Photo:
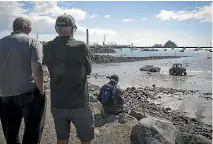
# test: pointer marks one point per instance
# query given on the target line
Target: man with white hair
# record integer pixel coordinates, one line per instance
(69, 64)
(21, 84)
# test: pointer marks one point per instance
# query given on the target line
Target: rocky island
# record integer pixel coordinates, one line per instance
(158, 46)
(170, 44)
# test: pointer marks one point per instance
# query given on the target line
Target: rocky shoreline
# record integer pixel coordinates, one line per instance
(101, 50)
(139, 100)
(99, 59)
(128, 128)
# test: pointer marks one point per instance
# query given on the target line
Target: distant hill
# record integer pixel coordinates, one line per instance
(170, 44)
(158, 45)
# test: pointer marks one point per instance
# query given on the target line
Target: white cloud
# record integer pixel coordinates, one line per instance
(141, 37)
(8, 12)
(93, 16)
(107, 16)
(39, 15)
(43, 17)
(96, 31)
(204, 14)
(44, 14)
(127, 20)
(144, 18)
(51, 7)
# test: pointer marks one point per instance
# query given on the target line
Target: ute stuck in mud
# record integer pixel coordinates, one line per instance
(150, 68)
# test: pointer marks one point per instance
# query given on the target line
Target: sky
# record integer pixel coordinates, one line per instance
(143, 23)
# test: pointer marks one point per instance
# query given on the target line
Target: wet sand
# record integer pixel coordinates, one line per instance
(130, 75)
(199, 78)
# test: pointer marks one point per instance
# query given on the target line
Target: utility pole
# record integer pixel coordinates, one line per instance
(37, 35)
(104, 40)
(87, 36)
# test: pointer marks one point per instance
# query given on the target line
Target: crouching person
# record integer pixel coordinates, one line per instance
(110, 96)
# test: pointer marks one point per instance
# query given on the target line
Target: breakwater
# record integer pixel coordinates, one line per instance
(98, 59)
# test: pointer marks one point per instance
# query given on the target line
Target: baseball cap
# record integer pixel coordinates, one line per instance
(65, 21)
(114, 77)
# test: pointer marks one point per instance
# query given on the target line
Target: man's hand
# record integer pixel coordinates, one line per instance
(42, 92)
(38, 76)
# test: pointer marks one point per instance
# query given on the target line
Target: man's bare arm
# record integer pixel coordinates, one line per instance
(38, 76)
(36, 65)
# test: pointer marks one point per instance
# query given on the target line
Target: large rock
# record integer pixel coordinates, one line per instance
(170, 44)
(153, 131)
(185, 138)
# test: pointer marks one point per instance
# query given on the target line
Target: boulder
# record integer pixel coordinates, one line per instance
(186, 138)
(153, 131)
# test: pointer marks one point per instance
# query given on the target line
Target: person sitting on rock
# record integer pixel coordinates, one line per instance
(110, 96)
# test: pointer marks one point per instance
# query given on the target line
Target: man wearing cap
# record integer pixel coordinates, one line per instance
(69, 64)
(21, 84)
(116, 104)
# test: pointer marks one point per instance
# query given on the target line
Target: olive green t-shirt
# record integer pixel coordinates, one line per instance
(68, 62)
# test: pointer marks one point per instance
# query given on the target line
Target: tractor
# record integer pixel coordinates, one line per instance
(177, 70)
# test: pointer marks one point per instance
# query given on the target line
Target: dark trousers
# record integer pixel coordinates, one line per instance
(114, 108)
(31, 106)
